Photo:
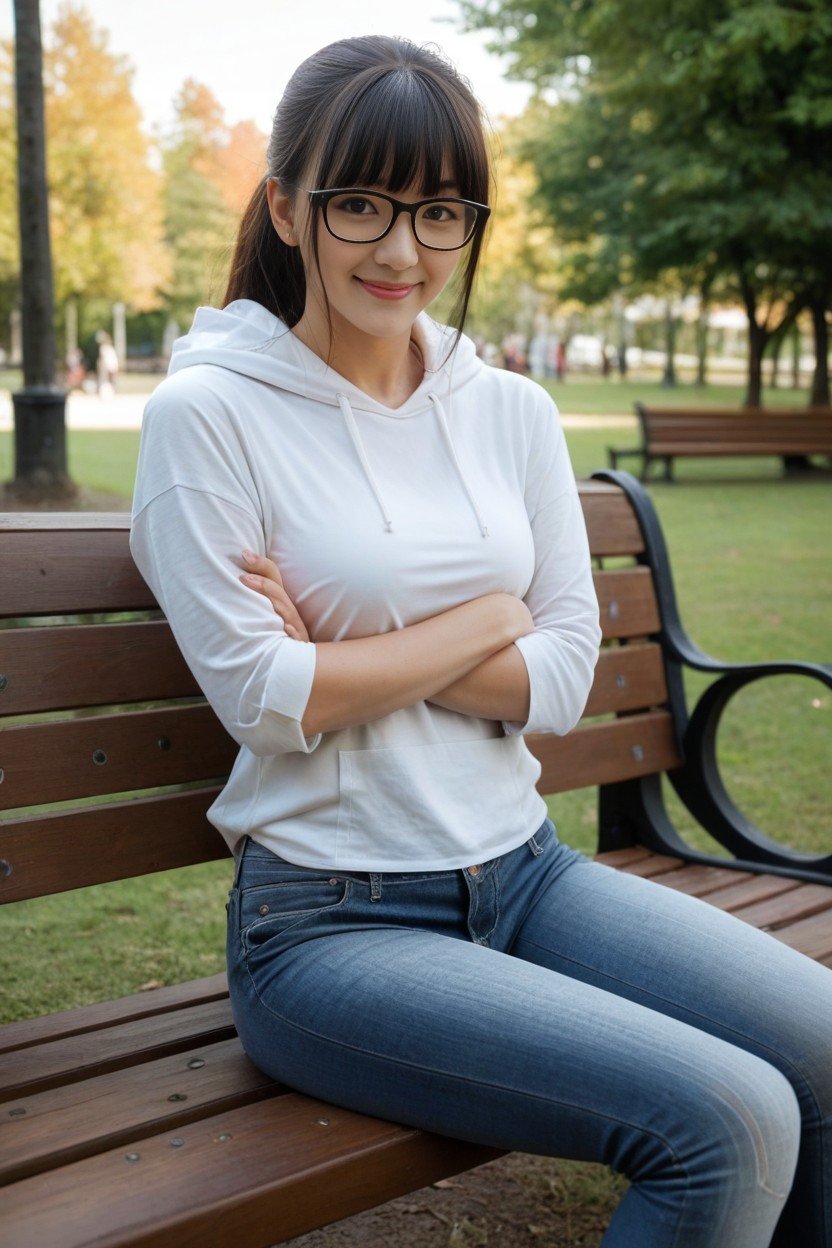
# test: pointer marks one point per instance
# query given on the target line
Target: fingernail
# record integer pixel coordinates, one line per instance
(249, 556)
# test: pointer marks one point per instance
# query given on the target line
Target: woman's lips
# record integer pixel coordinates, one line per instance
(384, 292)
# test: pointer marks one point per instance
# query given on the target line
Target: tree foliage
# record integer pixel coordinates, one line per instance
(104, 198)
(693, 134)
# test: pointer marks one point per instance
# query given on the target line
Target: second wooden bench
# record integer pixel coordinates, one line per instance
(669, 432)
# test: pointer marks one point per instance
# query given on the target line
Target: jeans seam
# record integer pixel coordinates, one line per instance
(476, 1083)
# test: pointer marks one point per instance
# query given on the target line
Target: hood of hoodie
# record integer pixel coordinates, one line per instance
(247, 338)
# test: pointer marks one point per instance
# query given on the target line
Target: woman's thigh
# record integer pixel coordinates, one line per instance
(387, 1006)
(681, 957)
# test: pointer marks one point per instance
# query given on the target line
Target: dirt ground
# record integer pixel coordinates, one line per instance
(85, 500)
(518, 1201)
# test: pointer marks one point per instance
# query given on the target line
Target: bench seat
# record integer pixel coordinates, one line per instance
(239, 1159)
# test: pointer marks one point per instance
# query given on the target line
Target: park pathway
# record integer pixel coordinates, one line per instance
(124, 411)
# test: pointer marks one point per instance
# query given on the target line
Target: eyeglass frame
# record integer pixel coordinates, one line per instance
(321, 197)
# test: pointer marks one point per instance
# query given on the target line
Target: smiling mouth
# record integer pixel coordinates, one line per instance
(388, 285)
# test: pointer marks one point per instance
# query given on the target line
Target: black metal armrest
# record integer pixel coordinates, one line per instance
(699, 783)
(697, 780)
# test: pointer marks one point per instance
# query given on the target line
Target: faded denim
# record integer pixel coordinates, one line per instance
(546, 1002)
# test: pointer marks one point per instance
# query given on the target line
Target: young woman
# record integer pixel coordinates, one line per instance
(370, 549)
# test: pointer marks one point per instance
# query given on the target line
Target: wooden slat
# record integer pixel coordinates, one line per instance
(659, 866)
(810, 936)
(88, 1018)
(725, 887)
(246, 1177)
(602, 753)
(58, 1062)
(627, 602)
(788, 907)
(100, 754)
(756, 888)
(49, 1129)
(628, 678)
(109, 841)
(55, 569)
(611, 525)
(623, 858)
(71, 563)
(733, 446)
(51, 669)
(54, 668)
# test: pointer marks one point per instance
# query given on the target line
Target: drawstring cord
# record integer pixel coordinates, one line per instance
(347, 412)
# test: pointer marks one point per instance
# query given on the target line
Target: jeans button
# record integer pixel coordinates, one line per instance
(474, 870)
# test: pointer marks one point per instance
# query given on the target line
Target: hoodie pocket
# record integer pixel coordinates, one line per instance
(429, 801)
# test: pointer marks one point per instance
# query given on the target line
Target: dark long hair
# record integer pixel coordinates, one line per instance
(369, 110)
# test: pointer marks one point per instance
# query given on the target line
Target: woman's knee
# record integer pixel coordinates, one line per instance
(748, 1129)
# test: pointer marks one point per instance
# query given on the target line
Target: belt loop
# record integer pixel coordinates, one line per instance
(375, 886)
(245, 840)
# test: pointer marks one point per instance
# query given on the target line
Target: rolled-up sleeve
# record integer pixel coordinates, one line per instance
(562, 651)
(187, 543)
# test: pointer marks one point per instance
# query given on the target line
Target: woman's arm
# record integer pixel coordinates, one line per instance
(364, 678)
(498, 688)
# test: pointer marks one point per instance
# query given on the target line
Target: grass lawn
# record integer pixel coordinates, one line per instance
(584, 394)
(751, 564)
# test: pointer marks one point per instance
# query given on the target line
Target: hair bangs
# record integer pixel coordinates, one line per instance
(400, 133)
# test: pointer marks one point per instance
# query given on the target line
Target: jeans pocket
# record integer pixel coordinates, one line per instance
(285, 901)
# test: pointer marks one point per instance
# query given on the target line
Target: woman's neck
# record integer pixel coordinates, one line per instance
(387, 369)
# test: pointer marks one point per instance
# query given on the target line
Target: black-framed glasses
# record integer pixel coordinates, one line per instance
(354, 215)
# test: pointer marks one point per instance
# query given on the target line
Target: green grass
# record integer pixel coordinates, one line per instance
(587, 395)
(750, 558)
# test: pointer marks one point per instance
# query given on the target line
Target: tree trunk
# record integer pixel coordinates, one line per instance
(820, 377)
(702, 346)
(756, 345)
(776, 342)
(796, 345)
(39, 408)
(670, 325)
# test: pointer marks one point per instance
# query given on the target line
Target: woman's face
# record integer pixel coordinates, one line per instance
(398, 259)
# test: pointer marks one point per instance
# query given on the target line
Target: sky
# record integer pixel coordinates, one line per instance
(246, 52)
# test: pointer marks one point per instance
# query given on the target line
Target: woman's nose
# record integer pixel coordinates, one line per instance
(399, 248)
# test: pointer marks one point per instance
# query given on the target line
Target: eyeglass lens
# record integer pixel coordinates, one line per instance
(363, 218)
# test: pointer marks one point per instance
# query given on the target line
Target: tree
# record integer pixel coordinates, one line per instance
(210, 171)
(697, 134)
(107, 201)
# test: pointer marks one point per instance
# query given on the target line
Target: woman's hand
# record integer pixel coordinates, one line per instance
(265, 578)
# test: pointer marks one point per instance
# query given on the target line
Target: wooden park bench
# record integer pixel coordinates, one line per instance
(669, 432)
(140, 1121)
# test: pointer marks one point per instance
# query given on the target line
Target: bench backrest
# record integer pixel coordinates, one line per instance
(111, 755)
(765, 431)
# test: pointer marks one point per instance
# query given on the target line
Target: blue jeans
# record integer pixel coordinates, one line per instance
(546, 1002)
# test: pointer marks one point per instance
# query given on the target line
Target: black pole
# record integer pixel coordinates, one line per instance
(40, 407)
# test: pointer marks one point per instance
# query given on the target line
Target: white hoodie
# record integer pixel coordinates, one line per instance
(377, 518)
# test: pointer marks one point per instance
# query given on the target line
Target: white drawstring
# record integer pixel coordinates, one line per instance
(440, 411)
(357, 443)
(346, 409)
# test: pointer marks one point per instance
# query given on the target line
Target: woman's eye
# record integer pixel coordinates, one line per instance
(356, 206)
(433, 210)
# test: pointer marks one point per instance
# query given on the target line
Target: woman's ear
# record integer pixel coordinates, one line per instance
(280, 210)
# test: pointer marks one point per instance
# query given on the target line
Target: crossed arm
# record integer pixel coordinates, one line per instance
(495, 688)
